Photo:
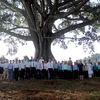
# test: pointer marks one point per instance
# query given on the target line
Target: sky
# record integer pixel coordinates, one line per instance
(59, 53)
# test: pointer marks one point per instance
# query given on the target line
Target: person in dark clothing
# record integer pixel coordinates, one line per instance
(95, 70)
(80, 66)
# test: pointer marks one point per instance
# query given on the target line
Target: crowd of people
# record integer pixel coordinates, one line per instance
(40, 69)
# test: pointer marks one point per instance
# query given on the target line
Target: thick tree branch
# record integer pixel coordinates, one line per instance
(69, 5)
(49, 4)
(65, 2)
(39, 9)
(73, 27)
(72, 11)
(27, 38)
(55, 6)
(30, 14)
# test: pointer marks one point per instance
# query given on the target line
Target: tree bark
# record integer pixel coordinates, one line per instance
(43, 48)
(46, 49)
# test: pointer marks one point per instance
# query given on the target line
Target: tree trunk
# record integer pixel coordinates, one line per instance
(46, 49)
(43, 48)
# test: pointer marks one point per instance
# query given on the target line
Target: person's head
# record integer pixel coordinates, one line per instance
(22, 61)
(84, 61)
(16, 61)
(94, 64)
(33, 59)
(96, 59)
(10, 61)
(85, 64)
(89, 61)
(74, 63)
(80, 61)
(28, 60)
(41, 57)
(60, 64)
(69, 58)
(37, 60)
(65, 62)
(19, 61)
(13, 61)
(49, 60)
(77, 61)
(6, 61)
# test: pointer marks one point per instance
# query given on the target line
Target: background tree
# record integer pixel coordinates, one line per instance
(44, 21)
(3, 59)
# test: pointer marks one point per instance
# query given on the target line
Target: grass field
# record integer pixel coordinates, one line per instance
(88, 89)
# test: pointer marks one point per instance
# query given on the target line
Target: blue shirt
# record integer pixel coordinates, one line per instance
(60, 67)
(64, 67)
(55, 66)
(69, 68)
(75, 67)
(95, 68)
(10, 66)
(99, 66)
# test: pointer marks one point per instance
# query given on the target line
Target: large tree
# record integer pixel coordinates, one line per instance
(37, 21)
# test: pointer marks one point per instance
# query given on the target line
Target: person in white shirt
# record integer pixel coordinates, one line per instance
(28, 66)
(21, 70)
(41, 60)
(50, 69)
(38, 69)
(16, 70)
(33, 69)
(90, 69)
(44, 70)
(5, 68)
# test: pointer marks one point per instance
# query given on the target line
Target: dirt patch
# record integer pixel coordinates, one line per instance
(29, 95)
(35, 94)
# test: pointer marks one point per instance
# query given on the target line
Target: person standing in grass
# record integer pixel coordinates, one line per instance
(98, 69)
(10, 71)
(85, 70)
(21, 70)
(44, 70)
(16, 70)
(1, 71)
(5, 68)
(75, 70)
(60, 70)
(55, 65)
(65, 70)
(69, 72)
(27, 67)
(90, 69)
(80, 67)
(95, 70)
(50, 69)
(33, 69)
(38, 69)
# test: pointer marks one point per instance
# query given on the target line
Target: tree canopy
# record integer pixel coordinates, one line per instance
(46, 21)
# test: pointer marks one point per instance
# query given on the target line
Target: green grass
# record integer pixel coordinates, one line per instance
(95, 96)
(88, 89)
